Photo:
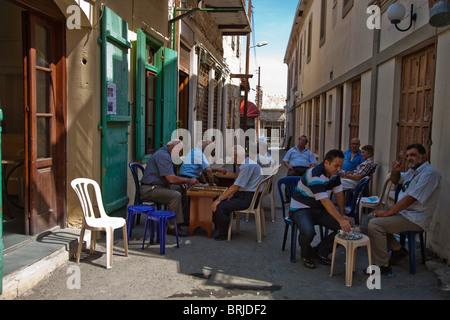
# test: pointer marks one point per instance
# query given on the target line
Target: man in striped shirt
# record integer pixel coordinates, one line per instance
(311, 205)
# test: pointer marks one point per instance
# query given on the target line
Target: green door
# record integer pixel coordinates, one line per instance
(115, 113)
(156, 94)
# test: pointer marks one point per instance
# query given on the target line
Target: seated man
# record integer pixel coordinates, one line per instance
(352, 157)
(311, 205)
(299, 158)
(240, 194)
(413, 211)
(156, 184)
(195, 165)
(350, 179)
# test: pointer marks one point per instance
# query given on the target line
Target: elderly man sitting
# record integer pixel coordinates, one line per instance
(239, 196)
(156, 184)
(350, 179)
(196, 165)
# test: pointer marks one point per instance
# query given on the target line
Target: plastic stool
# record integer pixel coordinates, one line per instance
(137, 209)
(160, 216)
(350, 260)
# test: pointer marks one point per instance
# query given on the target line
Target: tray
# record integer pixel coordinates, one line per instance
(350, 236)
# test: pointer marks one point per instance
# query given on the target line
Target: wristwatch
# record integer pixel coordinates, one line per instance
(219, 198)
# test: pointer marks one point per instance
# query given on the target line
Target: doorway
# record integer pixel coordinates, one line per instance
(32, 96)
(416, 102)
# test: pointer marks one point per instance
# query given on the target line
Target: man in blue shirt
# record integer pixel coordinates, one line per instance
(196, 165)
(311, 205)
(157, 180)
(239, 195)
(299, 158)
(352, 157)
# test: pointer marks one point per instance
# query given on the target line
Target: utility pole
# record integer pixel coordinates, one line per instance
(247, 62)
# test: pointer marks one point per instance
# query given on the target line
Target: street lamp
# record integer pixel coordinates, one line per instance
(396, 12)
(260, 44)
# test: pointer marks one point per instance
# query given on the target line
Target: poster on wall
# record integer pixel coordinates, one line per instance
(111, 98)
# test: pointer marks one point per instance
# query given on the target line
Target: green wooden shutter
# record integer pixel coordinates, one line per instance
(141, 57)
(115, 117)
(169, 93)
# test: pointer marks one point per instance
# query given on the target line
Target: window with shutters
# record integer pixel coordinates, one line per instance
(202, 96)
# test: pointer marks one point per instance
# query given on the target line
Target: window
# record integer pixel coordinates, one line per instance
(300, 50)
(309, 39)
(323, 24)
(346, 6)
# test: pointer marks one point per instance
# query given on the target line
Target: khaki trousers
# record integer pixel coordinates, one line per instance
(171, 197)
(382, 240)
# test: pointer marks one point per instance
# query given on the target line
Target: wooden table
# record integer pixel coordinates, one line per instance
(226, 179)
(201, 199)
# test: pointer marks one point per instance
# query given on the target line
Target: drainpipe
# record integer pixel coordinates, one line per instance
(374, 86)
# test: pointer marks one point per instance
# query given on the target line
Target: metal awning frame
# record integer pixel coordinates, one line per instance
(188, 12)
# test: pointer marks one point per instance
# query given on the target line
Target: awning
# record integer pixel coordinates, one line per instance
(252, 110)
(230, 16)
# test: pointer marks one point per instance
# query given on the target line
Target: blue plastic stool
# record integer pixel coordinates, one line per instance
(162, 217)
(136, 209)
(411, 236)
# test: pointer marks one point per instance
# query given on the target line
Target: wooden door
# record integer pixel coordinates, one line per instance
(183, 93)
(416, 103)
(44, 83)
(354, 110)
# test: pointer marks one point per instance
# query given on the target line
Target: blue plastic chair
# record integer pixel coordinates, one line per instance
(161, 217)
(134, 210)
(411, 236)
(289, 183)
(352, 209)
(135, 168)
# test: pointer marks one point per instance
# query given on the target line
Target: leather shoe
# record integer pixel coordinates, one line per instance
(220, 238)
(397, 255)
(322, 260)
(181, 233)
(307, 262)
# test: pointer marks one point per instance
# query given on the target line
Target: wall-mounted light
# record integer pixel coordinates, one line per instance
(397, 11)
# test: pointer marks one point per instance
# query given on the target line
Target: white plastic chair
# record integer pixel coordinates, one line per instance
(93, 223)
(382, 203)
(263, 188)
(270, 194)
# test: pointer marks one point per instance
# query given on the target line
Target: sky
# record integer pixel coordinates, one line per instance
(272, 22)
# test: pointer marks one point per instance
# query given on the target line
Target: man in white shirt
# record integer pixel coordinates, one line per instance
(299, 158)
(239, 195)
(421, 186)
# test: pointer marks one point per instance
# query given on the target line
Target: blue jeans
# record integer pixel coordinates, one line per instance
(305, 220)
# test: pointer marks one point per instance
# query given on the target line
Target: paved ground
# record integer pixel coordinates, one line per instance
(242, 269)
